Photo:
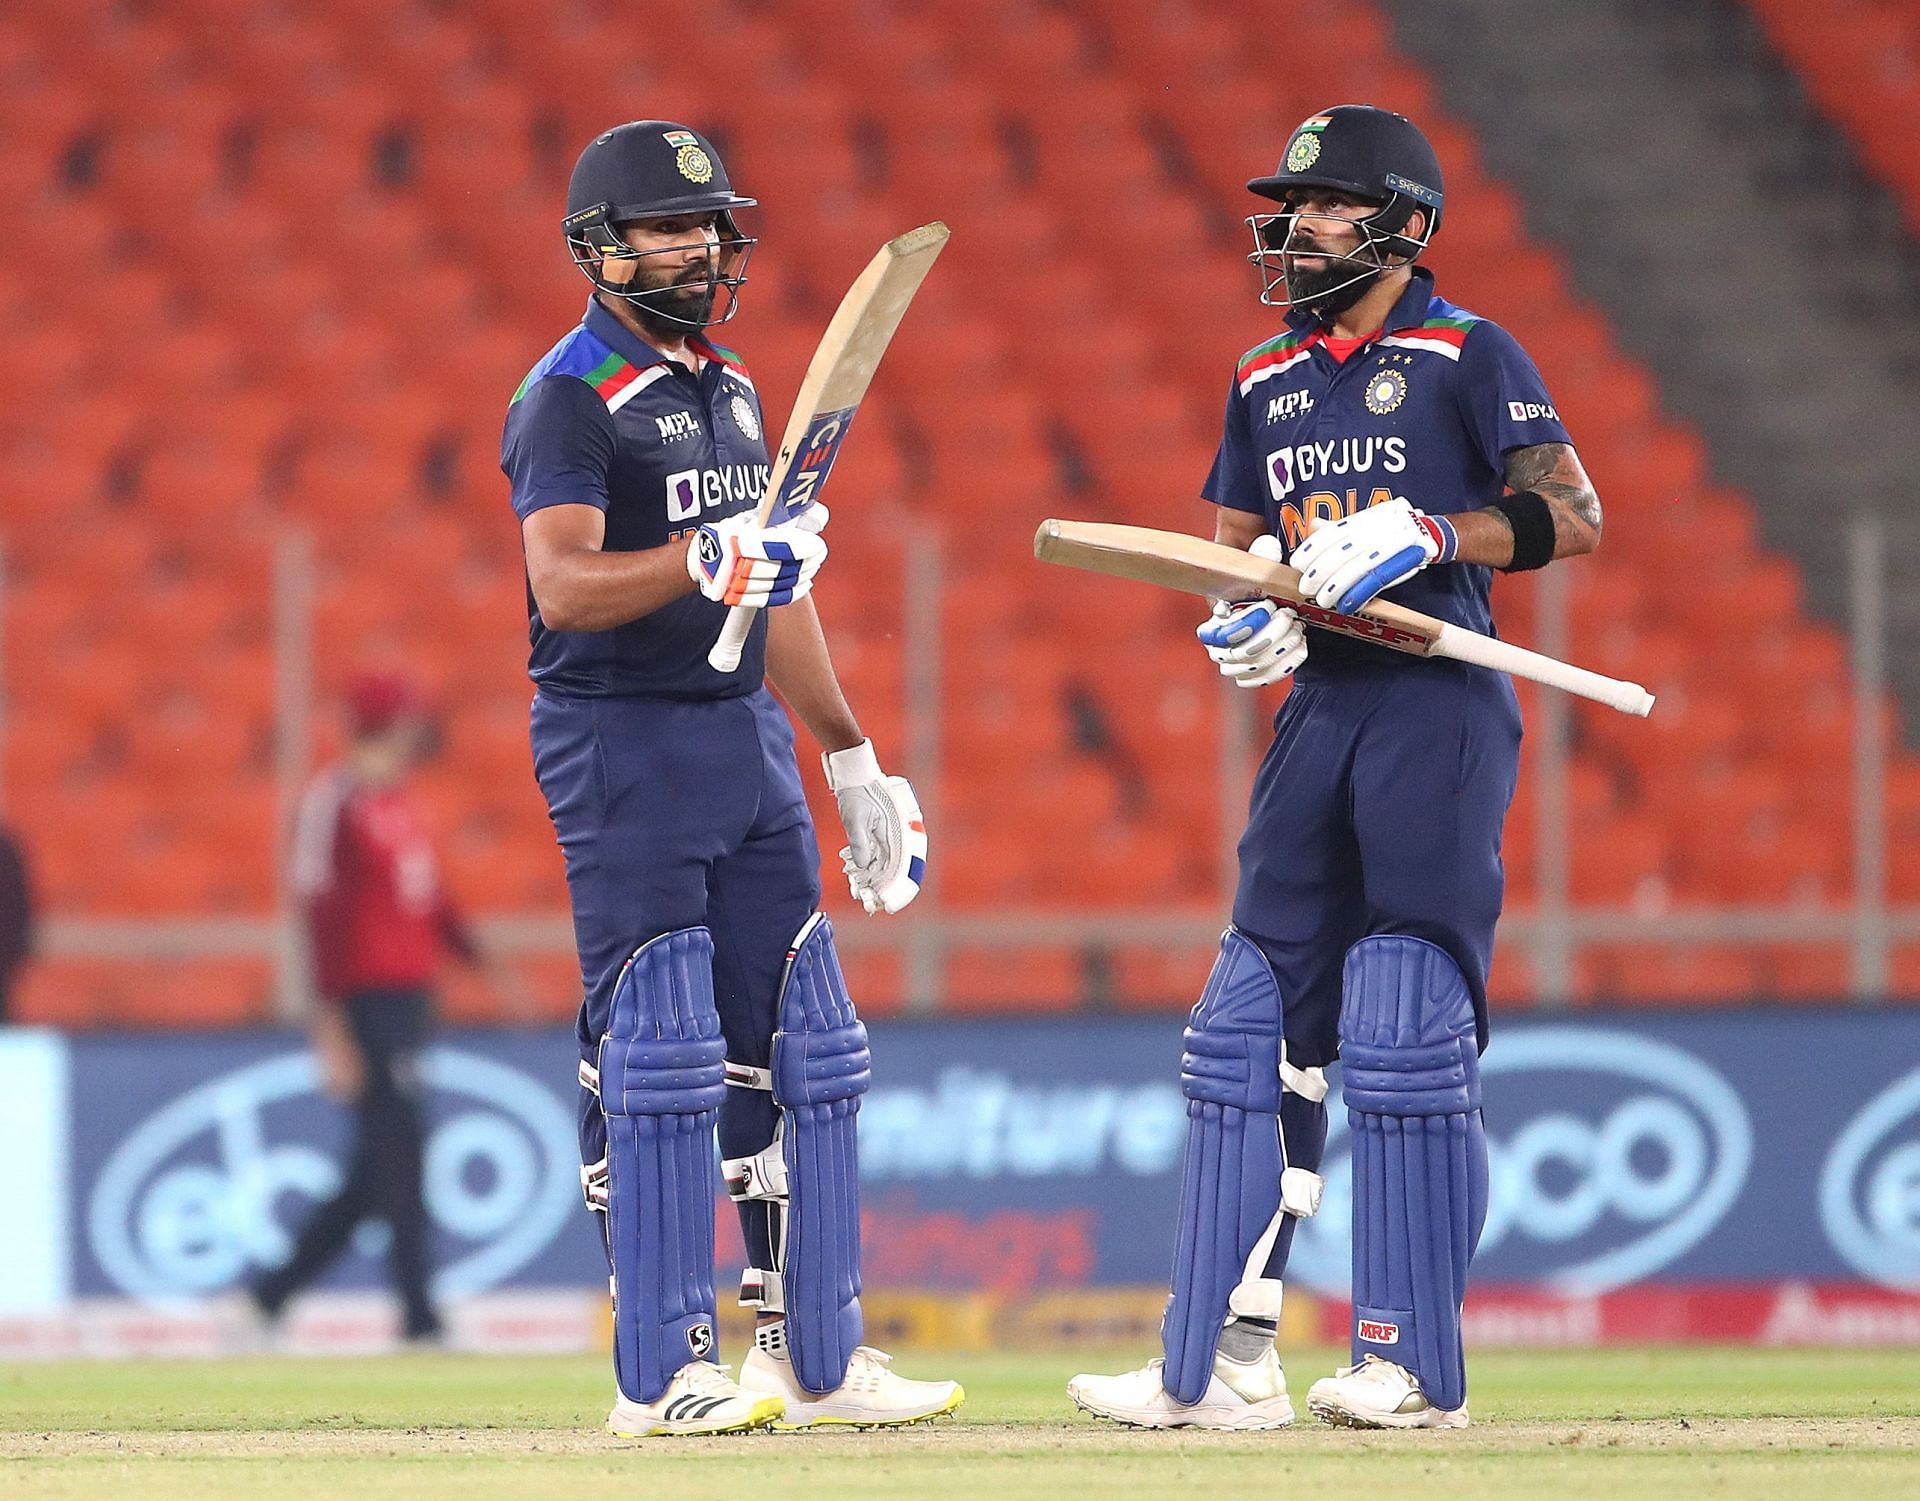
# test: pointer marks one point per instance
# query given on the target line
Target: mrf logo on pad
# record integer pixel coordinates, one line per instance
(1378, 1332)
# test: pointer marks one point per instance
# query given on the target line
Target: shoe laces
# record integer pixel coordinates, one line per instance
(1380, 1371)
(705, 1376)
(866, 1368)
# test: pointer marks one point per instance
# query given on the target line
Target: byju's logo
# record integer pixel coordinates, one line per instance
(1870, 1186)
(1612, 1156)
(213, 1184)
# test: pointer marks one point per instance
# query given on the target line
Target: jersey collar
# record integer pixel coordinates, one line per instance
(622, 340)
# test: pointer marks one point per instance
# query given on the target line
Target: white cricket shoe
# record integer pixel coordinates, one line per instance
(870, 1397)
(701, 1398)
(1378, 1394)
(1239, 1394)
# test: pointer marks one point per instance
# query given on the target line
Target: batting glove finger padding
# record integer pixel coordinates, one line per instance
(738, 562)
(1255, 643)
(1345, 564)
(886, 854)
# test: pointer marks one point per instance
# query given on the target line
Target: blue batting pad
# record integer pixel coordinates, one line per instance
(1230, 1185)
(821, 1067)
(1411, 1074)
(662, 1076)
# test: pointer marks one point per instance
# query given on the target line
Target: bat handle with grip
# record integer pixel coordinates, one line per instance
(1504, 656)
(725, 655)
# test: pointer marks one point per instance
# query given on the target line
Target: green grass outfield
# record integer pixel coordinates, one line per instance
(1628, 1425)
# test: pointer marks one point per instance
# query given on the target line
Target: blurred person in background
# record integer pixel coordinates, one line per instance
(379, 924)
(16, 916)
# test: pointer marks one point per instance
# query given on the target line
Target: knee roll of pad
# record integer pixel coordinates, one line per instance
(1411, 1076)
(1235, 1180)
(660, 1080)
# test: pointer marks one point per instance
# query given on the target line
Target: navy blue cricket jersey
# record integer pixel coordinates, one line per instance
(606, 420)
(1427, 411)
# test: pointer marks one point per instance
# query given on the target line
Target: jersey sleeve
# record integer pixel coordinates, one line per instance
(1504, 400)
(558, 446)
(1235, 479)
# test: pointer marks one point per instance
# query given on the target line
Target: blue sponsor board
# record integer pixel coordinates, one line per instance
(1722, 1146)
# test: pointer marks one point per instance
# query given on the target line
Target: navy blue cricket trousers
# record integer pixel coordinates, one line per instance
(1377, 809)
(678, 814)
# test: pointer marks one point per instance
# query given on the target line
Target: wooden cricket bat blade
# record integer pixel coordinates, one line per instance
(1175, 560)
(836, 383)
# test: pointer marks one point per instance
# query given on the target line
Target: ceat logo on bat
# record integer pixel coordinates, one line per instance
(1374, 1332)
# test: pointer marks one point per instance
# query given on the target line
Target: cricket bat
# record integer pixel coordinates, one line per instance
(837, 379)
(1194, 565)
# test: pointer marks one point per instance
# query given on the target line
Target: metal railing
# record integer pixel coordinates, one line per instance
(1552, 930)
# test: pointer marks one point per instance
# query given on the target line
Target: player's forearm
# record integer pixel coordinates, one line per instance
(1553, 472)
(589, 590)
(1487, 536)
(800, 667)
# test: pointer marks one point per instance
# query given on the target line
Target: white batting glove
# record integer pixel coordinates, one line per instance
(1255, 642)
(739, 562)
(886, 854)
(1345, 563)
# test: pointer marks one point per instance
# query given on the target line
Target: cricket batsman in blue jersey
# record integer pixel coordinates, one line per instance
(1388, 444)
(713, 998)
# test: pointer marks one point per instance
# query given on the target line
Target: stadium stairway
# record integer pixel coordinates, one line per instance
(1741, 245)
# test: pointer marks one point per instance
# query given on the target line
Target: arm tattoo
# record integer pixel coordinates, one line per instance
(1553, 471)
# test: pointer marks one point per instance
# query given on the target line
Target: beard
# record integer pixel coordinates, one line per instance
(1328, 290)
(667, 306)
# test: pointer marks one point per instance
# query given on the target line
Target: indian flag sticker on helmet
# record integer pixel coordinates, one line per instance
(694, 163)
(1305, 150)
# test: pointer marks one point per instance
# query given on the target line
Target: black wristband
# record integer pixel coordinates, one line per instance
(1531, 518)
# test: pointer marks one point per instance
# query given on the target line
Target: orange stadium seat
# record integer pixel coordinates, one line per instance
(349, 216)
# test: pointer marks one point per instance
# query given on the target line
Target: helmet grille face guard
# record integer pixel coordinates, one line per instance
(1381, 235)
(594, 240)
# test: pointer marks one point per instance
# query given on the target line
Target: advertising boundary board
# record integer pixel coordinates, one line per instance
(1749, 1175)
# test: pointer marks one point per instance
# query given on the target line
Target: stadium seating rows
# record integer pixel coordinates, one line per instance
(1860, 62)
(280, 266)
